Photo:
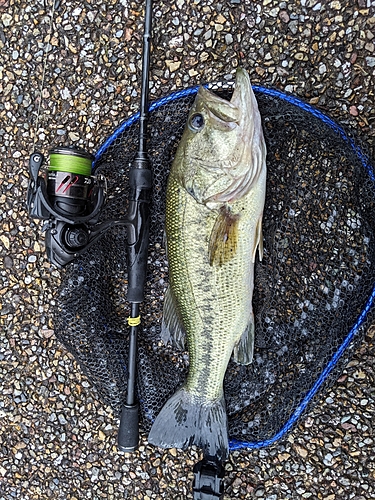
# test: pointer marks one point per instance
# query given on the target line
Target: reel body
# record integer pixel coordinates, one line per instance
(69, 199)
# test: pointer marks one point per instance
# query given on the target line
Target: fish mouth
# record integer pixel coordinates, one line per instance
(243, 174)
(223, 110)
(220, 173)
(233, 110)
(242, 90)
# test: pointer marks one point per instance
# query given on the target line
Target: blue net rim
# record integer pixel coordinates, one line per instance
(234, 443)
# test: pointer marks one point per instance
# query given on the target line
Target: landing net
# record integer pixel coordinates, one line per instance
(314, 289)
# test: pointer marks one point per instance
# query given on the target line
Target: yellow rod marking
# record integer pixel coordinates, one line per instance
(134, 321)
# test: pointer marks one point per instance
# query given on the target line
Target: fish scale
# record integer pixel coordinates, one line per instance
(214, 302)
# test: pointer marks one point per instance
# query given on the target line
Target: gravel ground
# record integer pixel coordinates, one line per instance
(57, 439)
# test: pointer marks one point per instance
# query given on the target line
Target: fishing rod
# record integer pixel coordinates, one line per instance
(140, 181)
(69, 198)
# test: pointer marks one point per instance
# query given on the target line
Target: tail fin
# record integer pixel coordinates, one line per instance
(184, 421)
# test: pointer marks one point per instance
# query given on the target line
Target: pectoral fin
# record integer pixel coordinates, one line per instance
(224, 238)
(243, 351)
(172, 329)
(258, 241)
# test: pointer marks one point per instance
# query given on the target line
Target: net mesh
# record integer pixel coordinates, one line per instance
(313, 289)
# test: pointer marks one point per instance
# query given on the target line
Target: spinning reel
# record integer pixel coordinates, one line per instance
(69, 198)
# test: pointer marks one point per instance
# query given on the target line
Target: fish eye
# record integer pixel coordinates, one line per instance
(196, 122)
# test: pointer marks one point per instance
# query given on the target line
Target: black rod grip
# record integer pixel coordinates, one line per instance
(140, 183)
(128, 434)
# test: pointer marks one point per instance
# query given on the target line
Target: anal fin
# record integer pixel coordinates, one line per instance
(244, 350)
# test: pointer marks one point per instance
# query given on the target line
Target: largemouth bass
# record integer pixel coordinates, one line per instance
(215, 200)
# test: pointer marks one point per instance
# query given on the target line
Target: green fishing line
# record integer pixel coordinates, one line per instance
(70, 163)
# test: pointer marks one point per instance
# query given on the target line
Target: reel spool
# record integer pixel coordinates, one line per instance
(69, 180)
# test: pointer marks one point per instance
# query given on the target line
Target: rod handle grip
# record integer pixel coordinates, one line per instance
(140, 183)
(128, 433)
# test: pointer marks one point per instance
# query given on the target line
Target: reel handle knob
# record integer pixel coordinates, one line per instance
(35, 163)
